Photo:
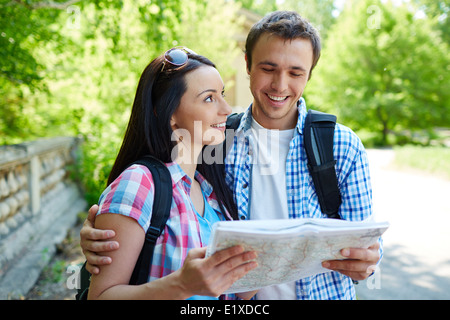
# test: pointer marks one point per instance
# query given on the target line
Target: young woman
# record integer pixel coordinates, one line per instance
(178, 109)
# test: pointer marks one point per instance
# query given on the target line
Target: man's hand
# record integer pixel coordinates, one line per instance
(94, 241)
(359, 263)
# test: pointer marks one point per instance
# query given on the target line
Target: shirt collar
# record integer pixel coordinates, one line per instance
(246, 122)
(178, 174)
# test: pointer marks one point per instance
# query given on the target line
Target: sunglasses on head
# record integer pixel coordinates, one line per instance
(176, 57)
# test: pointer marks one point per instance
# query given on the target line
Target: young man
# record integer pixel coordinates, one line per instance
(266, 166)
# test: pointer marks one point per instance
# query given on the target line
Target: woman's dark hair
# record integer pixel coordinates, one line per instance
(149, 132)
(288, 25)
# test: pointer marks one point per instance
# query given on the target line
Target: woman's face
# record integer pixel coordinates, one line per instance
(201, 116)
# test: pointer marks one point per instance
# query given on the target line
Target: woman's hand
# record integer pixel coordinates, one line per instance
(213, 275)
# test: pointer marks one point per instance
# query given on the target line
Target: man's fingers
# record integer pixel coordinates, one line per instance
(359, 263)
(359, 275)
(92, 269)
(92, 212)
(97, 260)
(100, 246)
(370, 254)
(89, 233)
(347, 265)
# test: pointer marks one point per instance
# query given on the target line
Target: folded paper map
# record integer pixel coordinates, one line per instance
(288, 249)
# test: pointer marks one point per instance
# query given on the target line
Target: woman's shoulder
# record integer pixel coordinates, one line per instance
(136, 173)
(130, 194)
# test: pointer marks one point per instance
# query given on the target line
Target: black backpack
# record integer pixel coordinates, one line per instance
(318, 138)
(161, 210)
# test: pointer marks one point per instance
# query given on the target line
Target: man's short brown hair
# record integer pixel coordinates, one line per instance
(288, 25)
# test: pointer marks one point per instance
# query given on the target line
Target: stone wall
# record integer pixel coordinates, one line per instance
(39, 202)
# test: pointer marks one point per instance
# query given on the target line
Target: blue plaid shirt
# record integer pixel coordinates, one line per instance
(354, 181)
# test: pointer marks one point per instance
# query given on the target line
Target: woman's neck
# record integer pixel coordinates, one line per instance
(188, 168)
(187, 158)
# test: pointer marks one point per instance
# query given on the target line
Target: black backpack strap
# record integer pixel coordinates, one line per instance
(318, 134)
(161, 211)
(85, 281)
(233, 122)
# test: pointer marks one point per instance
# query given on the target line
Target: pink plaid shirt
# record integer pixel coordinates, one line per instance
(131, 195)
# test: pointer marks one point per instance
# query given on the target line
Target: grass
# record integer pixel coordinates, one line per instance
(433, 160)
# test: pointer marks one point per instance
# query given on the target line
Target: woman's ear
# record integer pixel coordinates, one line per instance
(173, 123)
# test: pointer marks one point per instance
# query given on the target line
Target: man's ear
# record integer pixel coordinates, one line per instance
(246, 64)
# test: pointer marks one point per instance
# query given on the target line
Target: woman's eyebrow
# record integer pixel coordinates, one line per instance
(209, 90)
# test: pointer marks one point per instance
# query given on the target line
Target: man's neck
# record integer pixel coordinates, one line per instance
(287, 122)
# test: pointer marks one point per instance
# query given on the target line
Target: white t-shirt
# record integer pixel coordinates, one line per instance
(268, 198)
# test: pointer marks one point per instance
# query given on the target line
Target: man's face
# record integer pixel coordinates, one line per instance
(279, 73)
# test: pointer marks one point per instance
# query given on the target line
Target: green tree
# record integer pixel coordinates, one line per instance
(438, 10)
(319, 12)
(75, 69)
(384, 69)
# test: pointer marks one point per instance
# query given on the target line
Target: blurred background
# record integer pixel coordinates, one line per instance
(70, 68)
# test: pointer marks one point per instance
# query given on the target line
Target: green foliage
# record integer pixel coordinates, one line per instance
(384, 69)
(432, 160)
(73, 70)
(318, 12)
(76, 72)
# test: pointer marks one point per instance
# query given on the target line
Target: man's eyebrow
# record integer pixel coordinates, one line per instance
(299, 68)
(269, 63)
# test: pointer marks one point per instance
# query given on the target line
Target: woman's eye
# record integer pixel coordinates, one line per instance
(209, 99)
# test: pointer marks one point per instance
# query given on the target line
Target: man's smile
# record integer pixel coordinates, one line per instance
(277, 98)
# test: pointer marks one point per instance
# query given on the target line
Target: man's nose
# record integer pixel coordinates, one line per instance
(279, 83)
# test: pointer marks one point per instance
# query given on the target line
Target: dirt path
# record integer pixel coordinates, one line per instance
(56, 277)
(416, 264)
